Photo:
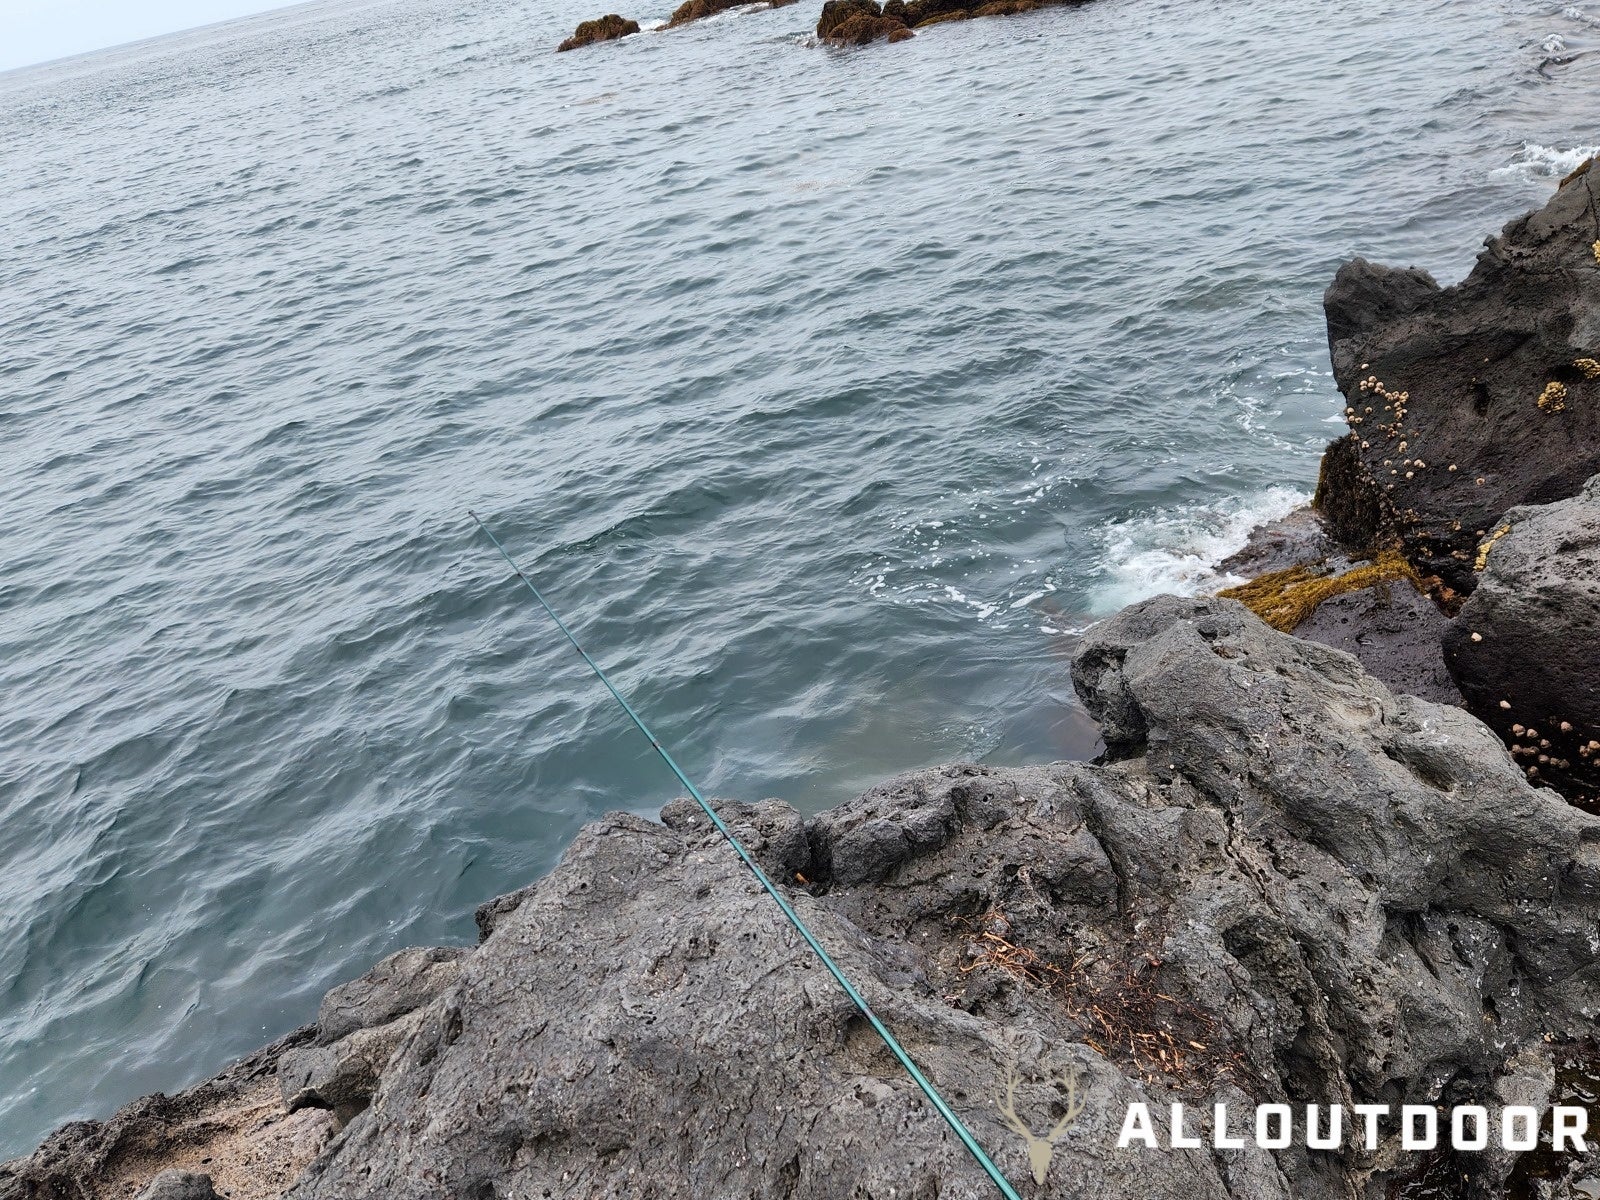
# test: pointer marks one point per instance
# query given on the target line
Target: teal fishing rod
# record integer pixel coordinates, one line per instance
(804, 930)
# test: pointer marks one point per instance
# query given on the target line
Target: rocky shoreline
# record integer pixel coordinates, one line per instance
(1339, 855)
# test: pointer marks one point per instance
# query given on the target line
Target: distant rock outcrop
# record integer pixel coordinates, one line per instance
(604, 29)
(858, 22)
(1468, 400)
(694, 10)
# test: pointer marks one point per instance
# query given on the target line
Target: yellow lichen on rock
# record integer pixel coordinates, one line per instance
(1589, 367)
(1285, 598)
(1554, 398)
(1596, 249)
(1483, 551)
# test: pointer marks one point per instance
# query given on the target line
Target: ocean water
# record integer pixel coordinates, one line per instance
(829, 394)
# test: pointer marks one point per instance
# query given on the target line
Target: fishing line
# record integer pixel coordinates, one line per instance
(839, 976)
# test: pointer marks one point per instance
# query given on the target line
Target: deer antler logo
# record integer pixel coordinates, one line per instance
(1040, 1149)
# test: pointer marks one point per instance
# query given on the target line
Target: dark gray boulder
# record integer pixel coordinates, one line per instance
(1497, 377)
(1525, 648)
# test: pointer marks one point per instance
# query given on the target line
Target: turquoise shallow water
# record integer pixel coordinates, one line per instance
(830, 394)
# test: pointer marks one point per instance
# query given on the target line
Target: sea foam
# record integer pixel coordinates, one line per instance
(1177, 548)
(1534, 161)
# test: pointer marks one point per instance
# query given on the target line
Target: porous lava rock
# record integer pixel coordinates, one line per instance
(1525, 648)
(603, 29)
(1468, 400)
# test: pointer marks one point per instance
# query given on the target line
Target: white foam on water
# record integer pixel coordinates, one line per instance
(1177, 548)
(1534, 161)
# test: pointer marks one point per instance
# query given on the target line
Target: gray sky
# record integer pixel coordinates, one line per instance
(38, 30)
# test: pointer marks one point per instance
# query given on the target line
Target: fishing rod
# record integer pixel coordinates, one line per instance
(804, 930)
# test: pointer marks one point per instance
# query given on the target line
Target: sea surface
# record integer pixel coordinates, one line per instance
(828, 394)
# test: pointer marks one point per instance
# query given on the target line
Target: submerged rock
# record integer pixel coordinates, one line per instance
(605, 29)
(1526, 646)
(1467, 400)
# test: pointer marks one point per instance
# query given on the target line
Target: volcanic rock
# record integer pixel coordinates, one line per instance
(1525, 648)
(1467, 400)
(858, 22)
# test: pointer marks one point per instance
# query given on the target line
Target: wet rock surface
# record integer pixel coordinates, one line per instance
(1466, 401)
(859, 22)
(1526, 646)
(1397, 634)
